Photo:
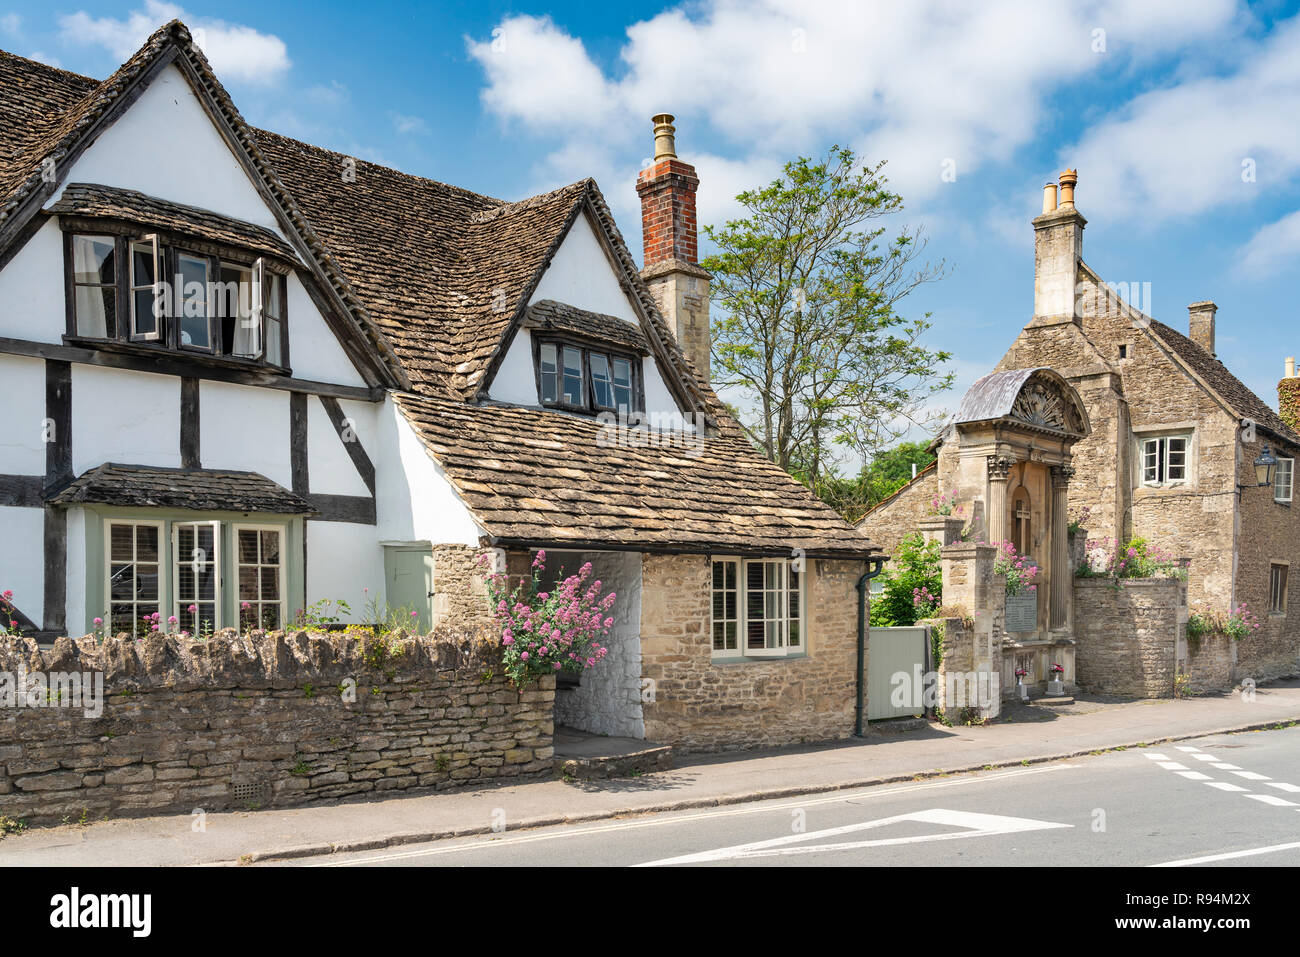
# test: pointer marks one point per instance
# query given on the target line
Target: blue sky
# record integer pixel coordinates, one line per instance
(1183, 119)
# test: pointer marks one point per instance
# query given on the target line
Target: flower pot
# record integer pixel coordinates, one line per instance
(1022, 612)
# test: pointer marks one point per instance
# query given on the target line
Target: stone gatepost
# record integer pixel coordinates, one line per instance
(974, 599)
(944, 529)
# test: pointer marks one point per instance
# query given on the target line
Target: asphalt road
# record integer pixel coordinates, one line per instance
(1227, 801)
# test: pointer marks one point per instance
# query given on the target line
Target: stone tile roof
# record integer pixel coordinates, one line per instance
(551, 316)
(542, 477)
(199, 489)
(109, 202)
(1238, 396)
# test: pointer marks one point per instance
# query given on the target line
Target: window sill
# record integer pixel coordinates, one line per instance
(196, 356)
(754, 659)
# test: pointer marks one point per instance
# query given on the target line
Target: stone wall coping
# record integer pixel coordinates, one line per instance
(276, 659)
(940, 521)
(1097, 582)
(967, 550)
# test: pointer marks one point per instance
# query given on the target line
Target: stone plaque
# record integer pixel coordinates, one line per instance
(1022, 612)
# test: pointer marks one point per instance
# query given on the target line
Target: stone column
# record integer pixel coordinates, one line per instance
(1061, 572)
(996, 506)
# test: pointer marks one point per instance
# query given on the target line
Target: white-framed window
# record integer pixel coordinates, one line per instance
(259, 576)
(1277, 584)
(133, 562)
(196, 576)
(1164, 460)
(148, 305)
(1283, 480)
(757, 608)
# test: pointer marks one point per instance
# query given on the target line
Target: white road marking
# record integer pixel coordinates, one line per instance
(1251, 775)
(1283, 786)
(1173, 766)
(1270, 799)
(1154, 757)
(1187, 861)
(1187, 748)
(1225, 786)
(1204, 757)
(977, 825)
(1193, 775)
(1227, 767)
(651, 821)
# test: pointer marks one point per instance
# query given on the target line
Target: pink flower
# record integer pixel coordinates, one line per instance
(9, 593)
(172, 619)
(192, 609)
(99, 621)
(244, 605)
(523, 656)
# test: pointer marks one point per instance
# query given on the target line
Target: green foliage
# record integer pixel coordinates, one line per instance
(807, 288)
(916, 572)
(11, 825)
(889, 471)
(300, 770)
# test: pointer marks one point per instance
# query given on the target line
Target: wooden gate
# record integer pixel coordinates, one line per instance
(897, 651)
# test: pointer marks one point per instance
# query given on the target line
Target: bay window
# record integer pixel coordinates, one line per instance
(757, 608)
(259, 573)
(134, 562)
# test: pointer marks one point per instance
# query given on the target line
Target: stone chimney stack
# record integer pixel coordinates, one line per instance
(1288, 396)
(1200, 324)
(1058, 246)
(670, 238)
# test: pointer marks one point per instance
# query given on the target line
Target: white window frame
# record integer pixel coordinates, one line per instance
(1285, 568)
(159, 299)
(1290, 480)
(160, 604)
(738, 620)
(217, 567)
(784, 649)
(1160, 447)
(281, 531)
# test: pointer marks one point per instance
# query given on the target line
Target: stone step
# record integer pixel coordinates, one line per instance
(653, 757)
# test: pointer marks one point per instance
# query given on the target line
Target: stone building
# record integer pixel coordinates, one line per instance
(408, 375)
(1164, 448)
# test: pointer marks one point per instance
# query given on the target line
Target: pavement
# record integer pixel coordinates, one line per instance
(1026, 738)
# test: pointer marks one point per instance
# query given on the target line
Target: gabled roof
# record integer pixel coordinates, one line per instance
(539, 477)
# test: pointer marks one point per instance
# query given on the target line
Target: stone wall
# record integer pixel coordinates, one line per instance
(700, 704)
(459, 592)
(1128, 635)
(267, 721)
(1210, 663)
(898, 516)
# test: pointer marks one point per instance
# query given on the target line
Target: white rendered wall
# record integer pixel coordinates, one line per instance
(415, 500)
(22, 410)
(329, 467)
(165, 145)
(608, 701)
(343, 560)
(582, 275)
(31, 289)
(133, 418)
(21, 569)
(245, 428)
(314, 351)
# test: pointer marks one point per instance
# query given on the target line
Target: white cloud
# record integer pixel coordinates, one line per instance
(333, 93)
(406, 125)
(1272, 249)
(1202, 143)
(11, 23)
(42, 57)
(236, 52)
(916, 83)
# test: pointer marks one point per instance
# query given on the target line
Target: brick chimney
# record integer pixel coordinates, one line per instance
(1058, 247)
(669, 233)
(1288, 396)
(1200, 324)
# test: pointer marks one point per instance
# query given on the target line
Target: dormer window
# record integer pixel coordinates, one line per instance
(587, 378)
(189, 298)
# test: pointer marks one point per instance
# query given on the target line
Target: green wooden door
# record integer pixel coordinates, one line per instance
(409, 571)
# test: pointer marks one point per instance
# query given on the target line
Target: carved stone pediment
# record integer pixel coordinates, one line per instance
(1042, 403)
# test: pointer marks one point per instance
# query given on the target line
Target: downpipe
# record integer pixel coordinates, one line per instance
(875, 565)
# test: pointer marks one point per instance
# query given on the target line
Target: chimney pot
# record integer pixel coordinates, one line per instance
(1069, 179)
(1290, 367)
(1049, 198)
(1200, 324)
(665, 141)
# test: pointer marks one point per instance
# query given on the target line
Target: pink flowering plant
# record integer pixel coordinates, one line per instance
(1238, 623)
(548, 632)
(1077, 519)
(945, 503)
(1108, 558)
(1020, 571)
(8, 615)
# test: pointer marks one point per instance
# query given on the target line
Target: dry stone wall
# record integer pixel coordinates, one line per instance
(1127, 635)
(263, 721)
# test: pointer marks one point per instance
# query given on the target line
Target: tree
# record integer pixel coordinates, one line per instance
(810, 333)
(888, 472)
